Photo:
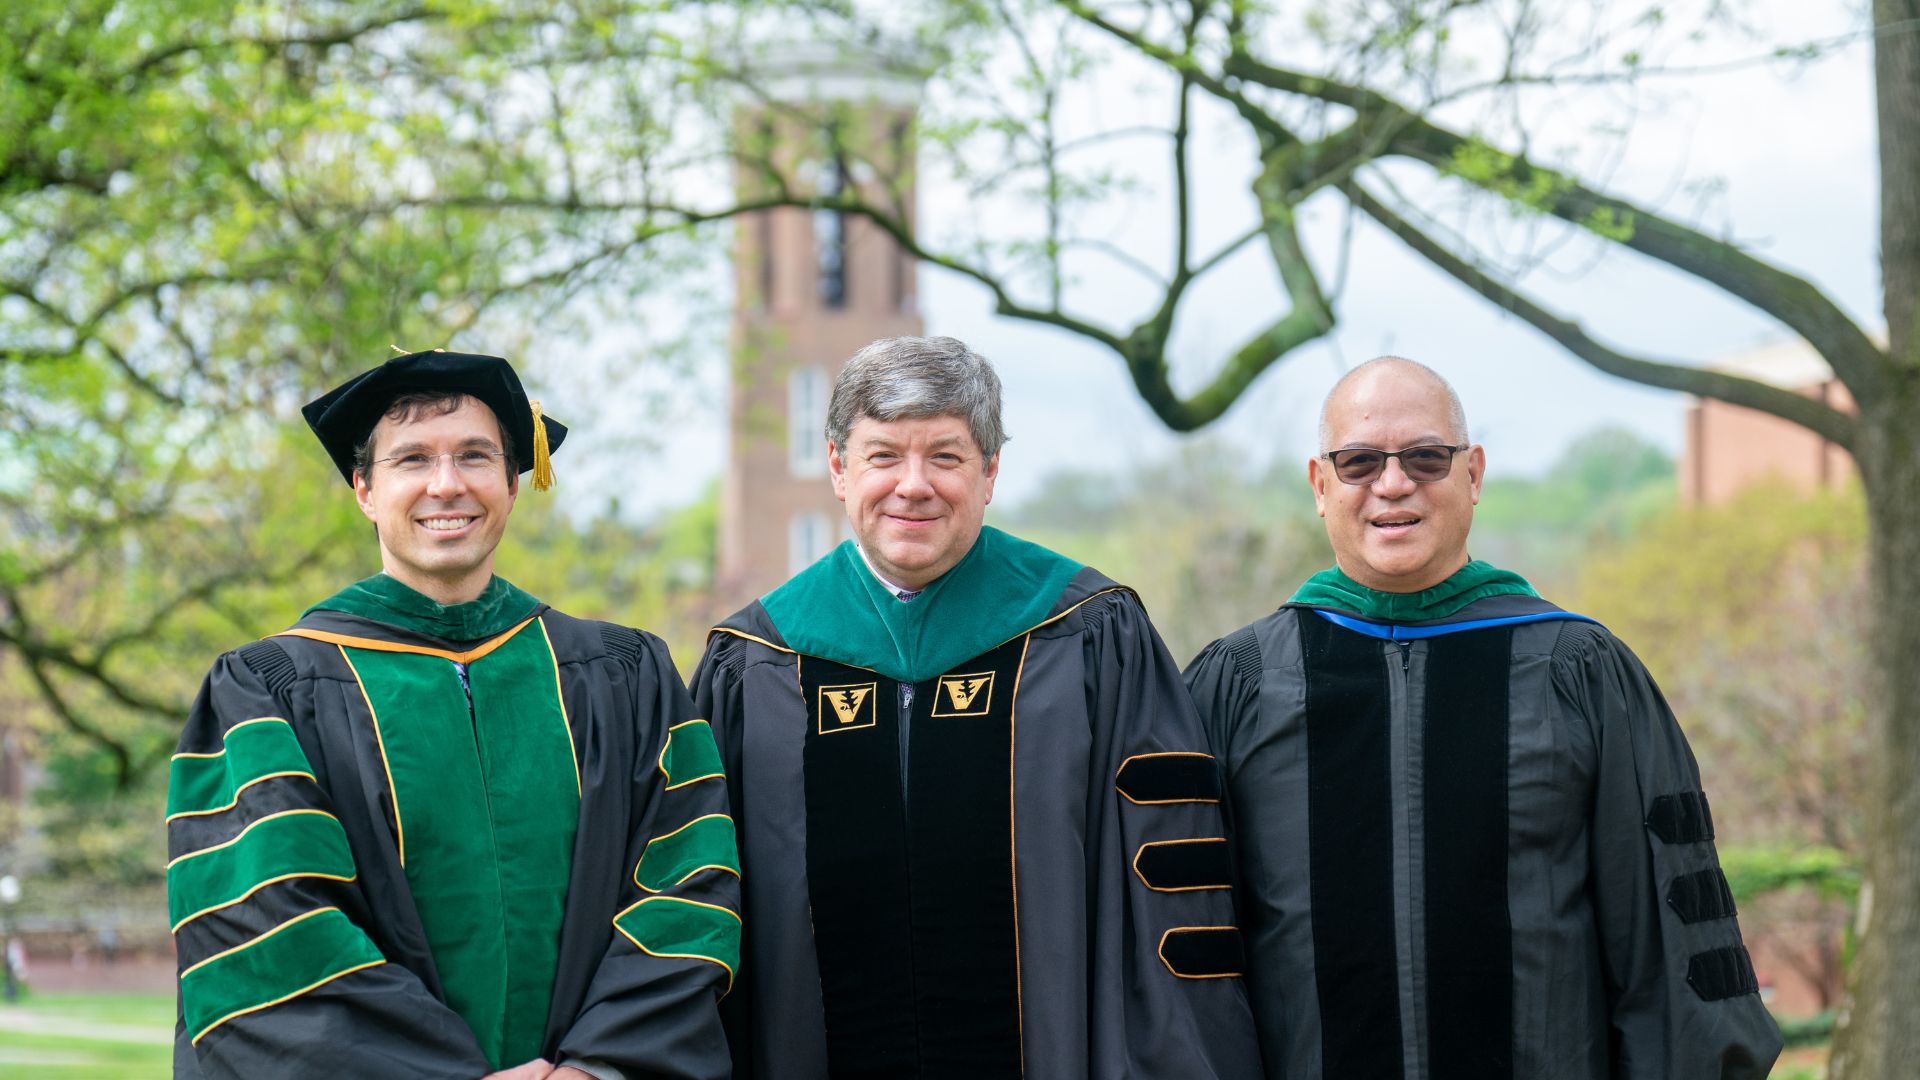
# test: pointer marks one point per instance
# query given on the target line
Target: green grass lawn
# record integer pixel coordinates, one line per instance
(98, 1036)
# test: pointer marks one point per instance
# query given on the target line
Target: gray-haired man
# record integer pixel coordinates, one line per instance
(979, 826)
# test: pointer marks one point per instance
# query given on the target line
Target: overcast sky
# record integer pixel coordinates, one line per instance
(1793, 147)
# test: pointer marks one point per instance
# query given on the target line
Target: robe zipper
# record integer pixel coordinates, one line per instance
(906, 729)
(466, 687)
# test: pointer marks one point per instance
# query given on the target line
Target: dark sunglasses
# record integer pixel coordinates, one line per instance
(1359, 465)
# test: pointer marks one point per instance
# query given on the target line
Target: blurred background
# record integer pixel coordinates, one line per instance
(1172, 226)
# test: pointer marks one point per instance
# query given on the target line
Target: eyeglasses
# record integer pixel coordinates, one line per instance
(1358, 465)
(471, 462)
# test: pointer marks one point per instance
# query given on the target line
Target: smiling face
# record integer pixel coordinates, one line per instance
(438, 525)
(916, 491)
(1392, 534)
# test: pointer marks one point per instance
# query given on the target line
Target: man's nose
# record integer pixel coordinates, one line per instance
(1393, 481)
(446, 478)
(914, 483)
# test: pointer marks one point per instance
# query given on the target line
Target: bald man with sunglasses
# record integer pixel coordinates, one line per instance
(1472, 841)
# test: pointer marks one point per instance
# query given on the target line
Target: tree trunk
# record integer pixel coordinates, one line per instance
(1878, 1037)
(1896, 85)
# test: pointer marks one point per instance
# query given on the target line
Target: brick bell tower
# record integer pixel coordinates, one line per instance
(813, 286)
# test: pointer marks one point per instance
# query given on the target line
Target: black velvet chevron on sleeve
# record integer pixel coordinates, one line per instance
(1170, 778)
(1718, 974)
(1700, 896)
(1203, 952)
(1184, 865)
(1681, 818)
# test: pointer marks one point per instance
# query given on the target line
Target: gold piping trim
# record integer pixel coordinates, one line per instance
(175, 928)
(235, 801)
(688, 874)
(1161, 949)
(393, 793)
(1051, 619)
(227, 733)
(276, 1001)
(1158, 802)
(756, 640)
(681, 829)
(258, 938)
(237, 837)
(683, 879)
(661, 762)
(680, 956)
(1013, 848)
(566, 724)
(1169, 843)
(377, 645)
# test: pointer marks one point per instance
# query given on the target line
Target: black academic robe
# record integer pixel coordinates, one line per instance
(1015, 867)
(1474, 848)
(294, 899)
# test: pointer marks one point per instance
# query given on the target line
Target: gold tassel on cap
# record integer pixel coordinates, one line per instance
(542, 456)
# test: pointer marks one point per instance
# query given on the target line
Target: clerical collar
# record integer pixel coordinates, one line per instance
(1477, 580)
(901, 594)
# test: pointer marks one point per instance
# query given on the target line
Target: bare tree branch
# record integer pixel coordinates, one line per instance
(1829, 423)
(49, 693)
(1793, 300)
(1384, 123)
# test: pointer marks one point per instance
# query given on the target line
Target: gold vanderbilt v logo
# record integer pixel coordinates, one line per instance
(846, 703)
(965, 695)
(963, 691)
(851, 706)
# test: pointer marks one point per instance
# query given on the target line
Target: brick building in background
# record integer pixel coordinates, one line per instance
(1729, 448)
(812, 287)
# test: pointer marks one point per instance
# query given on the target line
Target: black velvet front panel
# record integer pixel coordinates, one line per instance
(1350, 845)
(1469, 928)
(913, 894)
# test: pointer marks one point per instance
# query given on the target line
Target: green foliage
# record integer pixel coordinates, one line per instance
(1208, 544)
(1755, 871)
(1603, 488)
(207, 213)
(1738, 573)
(655, 577)
(1807, 1031)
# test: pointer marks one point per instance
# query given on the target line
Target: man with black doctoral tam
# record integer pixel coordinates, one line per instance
(437, 828)
(1471, 839)
(978, 818)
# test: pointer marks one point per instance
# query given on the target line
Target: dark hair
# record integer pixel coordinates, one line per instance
(428, 403)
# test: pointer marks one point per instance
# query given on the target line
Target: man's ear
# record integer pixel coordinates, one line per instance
(1476, 471)
(1318, 469)
(837, 468)
(363, 494)
(992, 473)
